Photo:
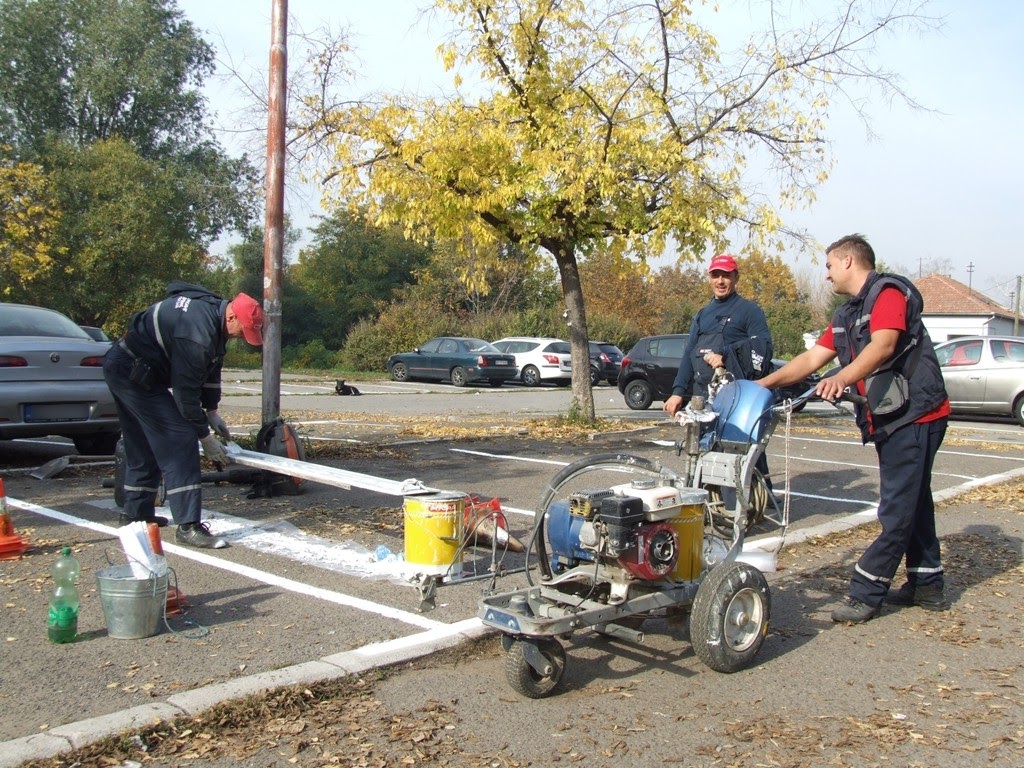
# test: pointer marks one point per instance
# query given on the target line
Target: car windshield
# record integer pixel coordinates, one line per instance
(20, 320)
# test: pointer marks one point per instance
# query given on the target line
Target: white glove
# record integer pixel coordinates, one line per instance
(217, 424)
(214, 450)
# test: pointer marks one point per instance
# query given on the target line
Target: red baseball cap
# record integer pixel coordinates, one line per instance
(250, 315)
(724, 262)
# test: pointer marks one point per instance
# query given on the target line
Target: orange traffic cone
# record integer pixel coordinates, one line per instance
(12, 546)
(176, 600)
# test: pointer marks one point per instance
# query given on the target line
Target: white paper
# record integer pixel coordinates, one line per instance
(138, 549)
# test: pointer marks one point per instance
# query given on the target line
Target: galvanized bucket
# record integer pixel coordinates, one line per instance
(132, 606)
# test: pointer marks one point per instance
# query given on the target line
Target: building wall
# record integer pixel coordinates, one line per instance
(945, 327)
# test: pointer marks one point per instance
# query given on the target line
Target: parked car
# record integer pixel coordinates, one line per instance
(604, 362)
(539, 359)
(649, 369)
(51, 380)
(96, 334)
(457, 359)
(984, 375)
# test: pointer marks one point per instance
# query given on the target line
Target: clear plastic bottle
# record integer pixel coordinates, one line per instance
(63, 624)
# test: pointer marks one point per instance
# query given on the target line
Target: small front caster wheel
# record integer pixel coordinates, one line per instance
(544, 652)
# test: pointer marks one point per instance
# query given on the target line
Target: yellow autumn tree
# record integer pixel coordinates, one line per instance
(28, 220)
(585, 124)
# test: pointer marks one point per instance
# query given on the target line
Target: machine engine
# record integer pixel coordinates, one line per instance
(634, 527)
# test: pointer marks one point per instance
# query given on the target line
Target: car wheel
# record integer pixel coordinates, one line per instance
(399, 372)
(459, 377)
(497, 382)
(595, 376)
(638, 395)
(101, 444)
(1018, 410)
(530, 376)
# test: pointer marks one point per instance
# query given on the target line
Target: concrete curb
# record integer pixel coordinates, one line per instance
(63, 738)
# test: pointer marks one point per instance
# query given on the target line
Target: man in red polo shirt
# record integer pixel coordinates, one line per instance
(885, 354)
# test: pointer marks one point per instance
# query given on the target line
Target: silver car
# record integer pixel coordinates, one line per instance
(51, 380)
(984, 375)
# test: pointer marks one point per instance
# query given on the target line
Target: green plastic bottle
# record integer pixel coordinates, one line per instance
(63, 624)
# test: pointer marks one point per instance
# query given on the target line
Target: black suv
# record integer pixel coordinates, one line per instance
(605, 359)
(650, 367)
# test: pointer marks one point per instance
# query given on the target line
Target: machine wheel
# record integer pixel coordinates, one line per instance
(459, 377)
(730, 616)
(595, 376)
(525, 679)
(1018, 410)
(530, 376)
(638, 395)
(497, 382)
(399, 372)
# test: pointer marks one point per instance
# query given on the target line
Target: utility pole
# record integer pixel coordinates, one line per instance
(970, 274)
(273, 237)
(1016, 309)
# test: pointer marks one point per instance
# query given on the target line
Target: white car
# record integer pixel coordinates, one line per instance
(539, 359)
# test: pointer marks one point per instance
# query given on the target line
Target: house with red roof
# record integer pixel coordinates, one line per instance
(952, 309)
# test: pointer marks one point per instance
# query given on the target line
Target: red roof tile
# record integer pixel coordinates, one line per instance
(945, 296)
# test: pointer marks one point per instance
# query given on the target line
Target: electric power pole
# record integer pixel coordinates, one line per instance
(273, 237)
(1016, 309)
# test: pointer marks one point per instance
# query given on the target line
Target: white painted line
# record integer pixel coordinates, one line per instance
(510, 458)
(795, 536)
(263, 577)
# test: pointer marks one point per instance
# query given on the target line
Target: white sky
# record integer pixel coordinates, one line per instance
(940, 185)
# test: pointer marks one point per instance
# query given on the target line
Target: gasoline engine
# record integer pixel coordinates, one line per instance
(638, 530)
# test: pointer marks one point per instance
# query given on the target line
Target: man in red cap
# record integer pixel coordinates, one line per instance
(165, 378)
(730, 332)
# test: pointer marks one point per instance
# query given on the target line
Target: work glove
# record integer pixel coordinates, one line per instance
(214, 450)
(217, 424)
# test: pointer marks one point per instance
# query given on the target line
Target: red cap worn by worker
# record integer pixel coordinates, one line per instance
(250, 315)
(723, 262)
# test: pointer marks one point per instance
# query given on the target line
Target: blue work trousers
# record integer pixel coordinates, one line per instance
(158, 442)
(907, 514)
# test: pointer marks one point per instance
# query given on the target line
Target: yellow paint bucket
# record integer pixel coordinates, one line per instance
(689, 527)
(433, 531)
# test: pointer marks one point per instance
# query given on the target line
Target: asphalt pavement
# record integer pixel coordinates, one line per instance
(299, 597)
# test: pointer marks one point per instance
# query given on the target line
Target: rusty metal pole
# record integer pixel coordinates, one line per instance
(273, 238)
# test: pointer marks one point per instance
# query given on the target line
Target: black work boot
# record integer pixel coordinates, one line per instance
(124, 519)
(198, 535)
(854, 611)
(928, 596)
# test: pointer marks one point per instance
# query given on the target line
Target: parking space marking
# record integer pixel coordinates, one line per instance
(290, 585)
(531, 513)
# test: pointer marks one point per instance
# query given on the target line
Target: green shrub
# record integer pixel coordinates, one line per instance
(313, 354)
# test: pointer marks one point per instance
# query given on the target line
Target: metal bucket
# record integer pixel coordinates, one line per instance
(132, 606)
(433, 531)
(689, 528)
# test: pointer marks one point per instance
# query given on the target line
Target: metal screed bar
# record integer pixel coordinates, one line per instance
(340, 478)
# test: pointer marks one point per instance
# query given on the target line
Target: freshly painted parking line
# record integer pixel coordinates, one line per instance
(290, 585)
